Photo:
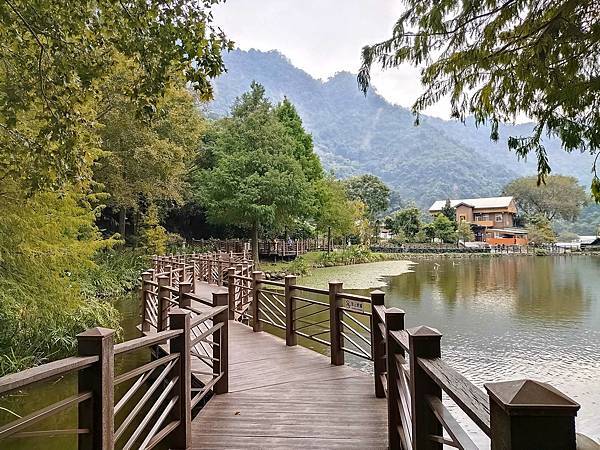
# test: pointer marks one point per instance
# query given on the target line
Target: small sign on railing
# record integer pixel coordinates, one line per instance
(355, 305)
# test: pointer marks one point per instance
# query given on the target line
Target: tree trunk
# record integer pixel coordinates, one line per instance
(328, 239)
(122, 218)
(255, 242)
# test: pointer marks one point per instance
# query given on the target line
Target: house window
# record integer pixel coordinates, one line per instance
(462, 218)
(484, 217)
(498, 217)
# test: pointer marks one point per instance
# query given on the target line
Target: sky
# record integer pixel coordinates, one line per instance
(323, 37)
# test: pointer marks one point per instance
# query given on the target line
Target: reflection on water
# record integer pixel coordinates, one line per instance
(513, 317)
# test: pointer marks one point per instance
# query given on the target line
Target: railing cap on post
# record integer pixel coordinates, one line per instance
(94, 333)
(377, 297)
(529, 397)
(423, 332)
(178, 312)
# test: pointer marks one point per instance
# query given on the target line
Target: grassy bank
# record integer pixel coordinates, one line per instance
(313, 260)
(42, 311)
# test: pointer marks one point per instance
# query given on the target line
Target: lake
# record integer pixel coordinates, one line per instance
(505, 318)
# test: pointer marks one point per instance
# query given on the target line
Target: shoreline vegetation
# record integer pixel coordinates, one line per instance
(44, 331)
(305, 264)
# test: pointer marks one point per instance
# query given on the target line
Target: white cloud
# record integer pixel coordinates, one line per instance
(323, 37)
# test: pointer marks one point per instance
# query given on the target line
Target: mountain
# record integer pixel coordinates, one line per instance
(354, 134)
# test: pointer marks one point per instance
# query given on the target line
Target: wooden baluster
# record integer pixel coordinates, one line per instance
(209, 262)
(394, 321)
(231, 291)
(194, 274)
(424, 342)
(163, 302)
(221, 352)
(256, 278)
(146, 276)
(181, 437)
(527, 414)
(377, 343)
(290, 311)
(184, 300)
(220, 271)
(335, 325)
(97, 414)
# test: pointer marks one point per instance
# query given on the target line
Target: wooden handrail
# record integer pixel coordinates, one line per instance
(45, 371)
(465, 394)
(146, 341)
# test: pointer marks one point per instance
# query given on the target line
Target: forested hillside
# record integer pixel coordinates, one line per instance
(354, 134)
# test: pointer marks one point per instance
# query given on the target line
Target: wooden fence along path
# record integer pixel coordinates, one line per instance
(216, 381)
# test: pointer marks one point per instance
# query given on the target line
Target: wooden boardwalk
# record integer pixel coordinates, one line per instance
(289, 397)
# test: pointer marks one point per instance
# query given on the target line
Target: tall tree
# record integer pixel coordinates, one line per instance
(373, 192)
(443, 229)
(254, 178)
(449, 211)
(144, 161)
(501, 59)
(406, 221)
(304, 152)
(336, 214)
(55, 56)
(561, 197)
(464, 232)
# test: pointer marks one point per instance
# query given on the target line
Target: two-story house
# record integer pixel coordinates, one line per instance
(492, 218)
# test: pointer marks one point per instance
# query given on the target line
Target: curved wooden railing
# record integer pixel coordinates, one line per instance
(408, 368)
(184, 336)
(186, 331)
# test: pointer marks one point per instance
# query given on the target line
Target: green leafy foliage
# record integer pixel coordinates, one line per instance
(370, 190)
(47, 242)
(145, 161)
(560, 197)
(539, 230)
(406, 222)
(464, 232)
(55, 58)
(497, 60)
(441, 228)
(335, 211)
(253, 177)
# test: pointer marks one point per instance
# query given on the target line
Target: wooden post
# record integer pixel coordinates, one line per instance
(163, 302)
(184, 301)
(377, 343)
(221, 352)
(527, 414)
(424, 342)
(146, 276)
(97, 414)
(290, 311)
(256, 278)
(394, 320)
(181, 437)
(335, 325)
(231, 292)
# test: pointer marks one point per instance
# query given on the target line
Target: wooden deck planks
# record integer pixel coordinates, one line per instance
(289, 397)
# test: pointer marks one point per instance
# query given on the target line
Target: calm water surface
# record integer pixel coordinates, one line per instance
(511, 317)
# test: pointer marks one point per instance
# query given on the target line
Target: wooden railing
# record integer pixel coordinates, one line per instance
(520, 414)
(333, 318)
(187, 334)
(408, 368)
(184, 336)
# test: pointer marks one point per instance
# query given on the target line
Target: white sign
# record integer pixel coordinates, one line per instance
(354, 305)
